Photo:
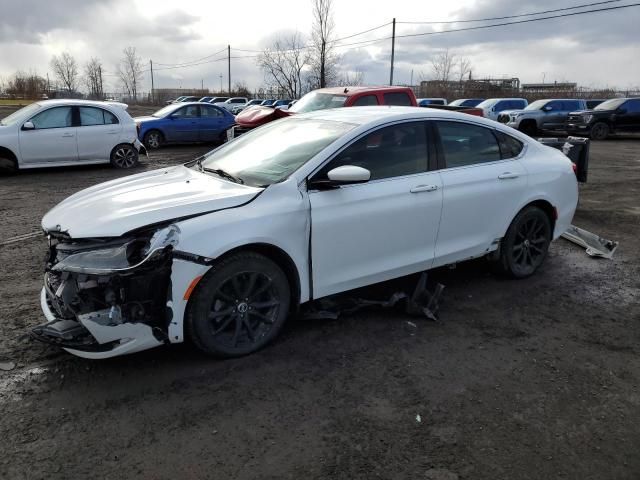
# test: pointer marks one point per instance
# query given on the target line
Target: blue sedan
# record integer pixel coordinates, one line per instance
(183, 123)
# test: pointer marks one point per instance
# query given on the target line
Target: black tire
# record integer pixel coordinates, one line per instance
(529, 128)
(8, 165)
(525, 246)
(599, 131)
(124, 156)
(153, 139)
(239, 306)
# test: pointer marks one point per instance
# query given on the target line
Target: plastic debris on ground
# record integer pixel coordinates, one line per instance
(595, 245)
(421, 302)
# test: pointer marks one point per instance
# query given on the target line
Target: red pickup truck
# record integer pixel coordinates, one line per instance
(321, 99)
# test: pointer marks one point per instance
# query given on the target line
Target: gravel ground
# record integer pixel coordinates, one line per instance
(532, 379)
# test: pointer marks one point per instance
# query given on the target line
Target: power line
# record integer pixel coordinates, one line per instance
(193, 61)
(518, 21)
(514, 16)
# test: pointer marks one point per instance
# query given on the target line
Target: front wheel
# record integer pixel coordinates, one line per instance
(239, 306)
(124, 156)
(153, 139)
(525, 246)
(599, 131)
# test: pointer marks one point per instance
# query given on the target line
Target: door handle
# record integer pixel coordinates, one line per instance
(424, 188)
(508, 176)
(67, 135)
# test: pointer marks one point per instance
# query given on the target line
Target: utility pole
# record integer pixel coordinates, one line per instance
(202, 84)
(100, 91)
(229, 66)
(151, 65)
(221, 84)
(393, 50)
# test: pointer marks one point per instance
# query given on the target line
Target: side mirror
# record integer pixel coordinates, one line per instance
(547, 108)
(28, 126)
(345, 175)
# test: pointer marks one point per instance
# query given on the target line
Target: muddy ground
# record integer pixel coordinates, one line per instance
(532, 379)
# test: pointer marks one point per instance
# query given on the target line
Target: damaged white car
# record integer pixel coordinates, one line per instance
(223, 249)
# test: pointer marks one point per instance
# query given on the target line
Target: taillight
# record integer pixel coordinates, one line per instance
(575, 168)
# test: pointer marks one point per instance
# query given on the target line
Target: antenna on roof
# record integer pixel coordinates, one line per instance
(346, 90)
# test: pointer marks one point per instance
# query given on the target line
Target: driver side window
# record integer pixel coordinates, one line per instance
(388, 152)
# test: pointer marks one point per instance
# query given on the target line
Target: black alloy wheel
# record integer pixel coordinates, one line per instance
(240, 305)
(599, 131)
(526, 243)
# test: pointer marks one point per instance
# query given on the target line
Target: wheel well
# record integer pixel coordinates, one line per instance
(121, 143)
(153, 130)
(547, 208)
(9, 155)
(527, 122)
(282, 259)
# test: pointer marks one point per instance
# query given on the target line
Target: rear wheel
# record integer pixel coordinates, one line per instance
(153, 139)
(599, 131)
(239, 306)
(8, 165)
(525, 246)
(124, 156)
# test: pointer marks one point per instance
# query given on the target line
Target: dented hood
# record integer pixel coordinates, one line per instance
(258, 115)
(113, 208)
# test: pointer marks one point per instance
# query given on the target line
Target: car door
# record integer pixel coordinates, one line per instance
(211, 123)
(481, 187)
(98, 132)
(183, 125)
(554, 115)
(384, 228)
(52, 140)
(628, 119)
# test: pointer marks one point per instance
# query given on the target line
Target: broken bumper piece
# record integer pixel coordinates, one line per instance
(595, 245)
(94, 335)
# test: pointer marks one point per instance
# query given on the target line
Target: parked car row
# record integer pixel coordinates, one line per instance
(575, 117)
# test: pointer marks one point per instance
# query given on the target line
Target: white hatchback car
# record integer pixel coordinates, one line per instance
(54, 133)
(224, 248)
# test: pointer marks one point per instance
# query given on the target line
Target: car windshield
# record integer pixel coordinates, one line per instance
(611, 104)
(163, 112)
(457, 103)
(487, 103)
(23, 113)
(271, 153)
(537, 105)
(318, 101)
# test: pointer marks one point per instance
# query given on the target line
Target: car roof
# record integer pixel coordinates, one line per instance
(73, 101)
(383, 114)
(356, 90)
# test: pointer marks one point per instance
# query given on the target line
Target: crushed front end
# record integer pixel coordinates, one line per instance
(107, 297)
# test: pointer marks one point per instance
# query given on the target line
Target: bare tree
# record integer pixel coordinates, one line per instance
(130, 72)
(442, 64)
(26, 85)
(93, 78)
(283, 63)
(66, 70)
(464, 69)
(324, 59)
(353, 79)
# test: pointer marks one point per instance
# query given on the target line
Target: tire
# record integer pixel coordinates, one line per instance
(124, 156)
(529, 128)
(239, 306)
(8, 165)
(599, 131)
(525, 246)
(153, 139)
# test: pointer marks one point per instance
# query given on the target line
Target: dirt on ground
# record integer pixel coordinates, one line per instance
(531, 379)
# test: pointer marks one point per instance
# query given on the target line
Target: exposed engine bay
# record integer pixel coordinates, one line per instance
(102, 293)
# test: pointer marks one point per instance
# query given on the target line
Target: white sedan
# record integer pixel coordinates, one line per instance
(224, 248)
(54, 133)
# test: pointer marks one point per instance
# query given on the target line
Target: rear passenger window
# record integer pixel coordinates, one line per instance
(366, 100)
(509, 147)
(389, 152)
(632, 106)
(464, 144)
(397, 98)
(96, 116)
(109, 118)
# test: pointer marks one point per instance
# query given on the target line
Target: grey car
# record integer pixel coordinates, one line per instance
(550, 114)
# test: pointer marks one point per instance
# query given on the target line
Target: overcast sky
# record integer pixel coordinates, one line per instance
(596, 50)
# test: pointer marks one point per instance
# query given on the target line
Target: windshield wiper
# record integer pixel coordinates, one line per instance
(221, 173)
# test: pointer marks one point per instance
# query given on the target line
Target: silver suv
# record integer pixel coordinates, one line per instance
(550, 114)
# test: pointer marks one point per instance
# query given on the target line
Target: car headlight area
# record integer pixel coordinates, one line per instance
(104, 295)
